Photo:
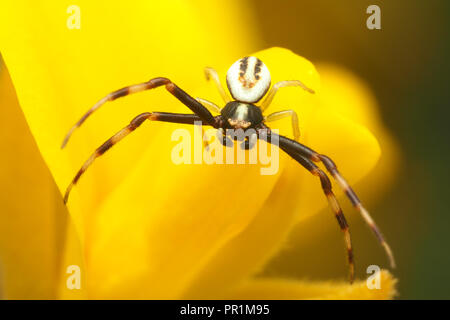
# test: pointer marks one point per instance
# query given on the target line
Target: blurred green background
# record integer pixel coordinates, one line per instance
(406, 65)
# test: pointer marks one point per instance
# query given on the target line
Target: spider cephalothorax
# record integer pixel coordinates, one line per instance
(248, 81)
(239, 115)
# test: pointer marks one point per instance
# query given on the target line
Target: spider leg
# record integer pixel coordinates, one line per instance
(334, 204)
(248, 142)
(134, 124)
(289, 145)
(286, 113)
(332, 168)
(186, 99)
(287, 83)
(208, 105)
(210, 73)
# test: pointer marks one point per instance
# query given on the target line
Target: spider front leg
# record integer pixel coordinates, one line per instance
(134, 124)
(289, 145)
(211, 106)
(283, 114)
(186, 99)
(287, 83)
(211, 74)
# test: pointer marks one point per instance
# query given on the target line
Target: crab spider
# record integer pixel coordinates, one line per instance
(248, 81)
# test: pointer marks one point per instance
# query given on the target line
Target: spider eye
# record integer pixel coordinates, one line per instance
(248, 79)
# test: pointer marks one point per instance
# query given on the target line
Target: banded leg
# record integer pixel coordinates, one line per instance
(334, 204)
(332, 168)
(283, 114)
(289, 145)
(211, 74)
(186, 99)
(134, 124)
(287, 83)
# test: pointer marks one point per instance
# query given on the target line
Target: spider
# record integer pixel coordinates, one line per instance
(248, 81)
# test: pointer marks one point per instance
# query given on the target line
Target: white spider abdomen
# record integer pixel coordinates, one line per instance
(248, 79)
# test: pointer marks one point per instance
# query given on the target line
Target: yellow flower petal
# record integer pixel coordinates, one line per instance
(273, 289)
(32, 224)
(58, 73)
(59, 76)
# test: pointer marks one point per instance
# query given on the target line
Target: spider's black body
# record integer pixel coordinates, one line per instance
(248, 81)
(241, 115)
(239, 121)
